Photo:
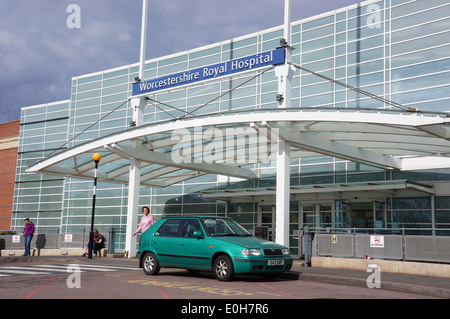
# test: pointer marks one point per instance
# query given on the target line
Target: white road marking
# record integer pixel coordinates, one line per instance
(23, 272)
(49, 269)
(108, 267)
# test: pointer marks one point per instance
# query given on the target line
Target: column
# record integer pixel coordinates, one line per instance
(284, 73)
(138, 106)
(282, 194)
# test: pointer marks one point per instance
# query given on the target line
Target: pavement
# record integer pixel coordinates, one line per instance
(422, 285)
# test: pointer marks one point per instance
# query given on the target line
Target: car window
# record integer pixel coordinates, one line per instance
(169, 228)
(224, 227)
(189, 227)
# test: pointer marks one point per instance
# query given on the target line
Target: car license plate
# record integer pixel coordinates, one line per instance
(275, 262)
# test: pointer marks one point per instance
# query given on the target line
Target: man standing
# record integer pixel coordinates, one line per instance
(28, 231)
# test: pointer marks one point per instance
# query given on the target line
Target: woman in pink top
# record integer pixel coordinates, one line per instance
(146, 221)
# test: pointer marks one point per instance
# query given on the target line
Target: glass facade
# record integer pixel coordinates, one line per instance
(39, 196)
(396, 49)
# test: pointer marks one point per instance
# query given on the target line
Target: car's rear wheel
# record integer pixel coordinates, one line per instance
(150, 264)
(223, 268)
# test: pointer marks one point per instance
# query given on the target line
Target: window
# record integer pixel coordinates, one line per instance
(169, 228)
(224, 227)
(189, 227)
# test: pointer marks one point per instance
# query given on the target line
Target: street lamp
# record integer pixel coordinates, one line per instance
(96, 157)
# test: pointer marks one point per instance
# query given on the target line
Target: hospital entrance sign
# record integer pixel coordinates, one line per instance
(231, 67)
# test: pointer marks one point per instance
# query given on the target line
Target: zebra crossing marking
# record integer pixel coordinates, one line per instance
(83, 267)
(49, 269)
(107, 266)
(33, 268)
(23, 272)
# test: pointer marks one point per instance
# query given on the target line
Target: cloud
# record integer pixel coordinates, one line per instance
(40, 54)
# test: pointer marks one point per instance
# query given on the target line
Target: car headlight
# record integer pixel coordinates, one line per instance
(251, 252)
(285, 251)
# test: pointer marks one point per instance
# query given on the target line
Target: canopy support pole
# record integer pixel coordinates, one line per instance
(138, 105)
(285, 74)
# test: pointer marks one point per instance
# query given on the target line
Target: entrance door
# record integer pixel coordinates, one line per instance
(367, 214)
(309, 216)
(360, 214)
(316, 215)
(267, 218)
(379, 214)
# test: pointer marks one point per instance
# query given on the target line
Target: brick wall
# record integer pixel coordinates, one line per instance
(9, 141)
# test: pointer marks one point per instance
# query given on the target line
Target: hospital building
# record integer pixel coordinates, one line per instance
(337, 121)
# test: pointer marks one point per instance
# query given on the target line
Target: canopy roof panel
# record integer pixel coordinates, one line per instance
(231, 143)
(379, 186)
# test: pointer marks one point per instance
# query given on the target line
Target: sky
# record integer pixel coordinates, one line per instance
(42, 48)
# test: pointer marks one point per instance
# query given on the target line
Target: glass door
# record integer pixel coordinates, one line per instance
(379, 214)
(309, 216)
(267, 218)
(341, 213)
(316, 216)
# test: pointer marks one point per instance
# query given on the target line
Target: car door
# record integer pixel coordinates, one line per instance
(192, 249)
(166, 242)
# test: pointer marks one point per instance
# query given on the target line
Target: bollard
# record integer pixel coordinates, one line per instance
(308, 246)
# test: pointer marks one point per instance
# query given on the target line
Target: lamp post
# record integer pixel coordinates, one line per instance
(96, 157)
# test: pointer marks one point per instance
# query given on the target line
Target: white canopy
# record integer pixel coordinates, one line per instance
(395, 140)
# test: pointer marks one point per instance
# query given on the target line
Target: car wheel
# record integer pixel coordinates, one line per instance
(223, 268)
(150, 264)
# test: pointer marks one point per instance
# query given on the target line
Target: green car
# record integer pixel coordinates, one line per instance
(209, 243)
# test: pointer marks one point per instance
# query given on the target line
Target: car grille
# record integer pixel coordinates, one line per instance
(272, 252)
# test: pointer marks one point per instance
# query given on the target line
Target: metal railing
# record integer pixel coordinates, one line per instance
(391, 231)
(405, 244)
(56, 239)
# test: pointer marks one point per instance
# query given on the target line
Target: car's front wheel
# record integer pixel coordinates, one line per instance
(150, 264)
(223, 268)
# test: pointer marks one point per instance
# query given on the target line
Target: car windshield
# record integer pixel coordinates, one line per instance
(224, 227)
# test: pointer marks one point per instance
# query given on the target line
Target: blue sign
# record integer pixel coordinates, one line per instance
(272, 57)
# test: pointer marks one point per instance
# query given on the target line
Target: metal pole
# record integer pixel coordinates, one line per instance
(284, 73)
(143, 39)
(138, 105)
(96, 158)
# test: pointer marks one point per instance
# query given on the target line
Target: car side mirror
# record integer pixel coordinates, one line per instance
(198, 234)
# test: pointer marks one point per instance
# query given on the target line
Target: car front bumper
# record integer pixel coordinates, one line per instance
(262, 265)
